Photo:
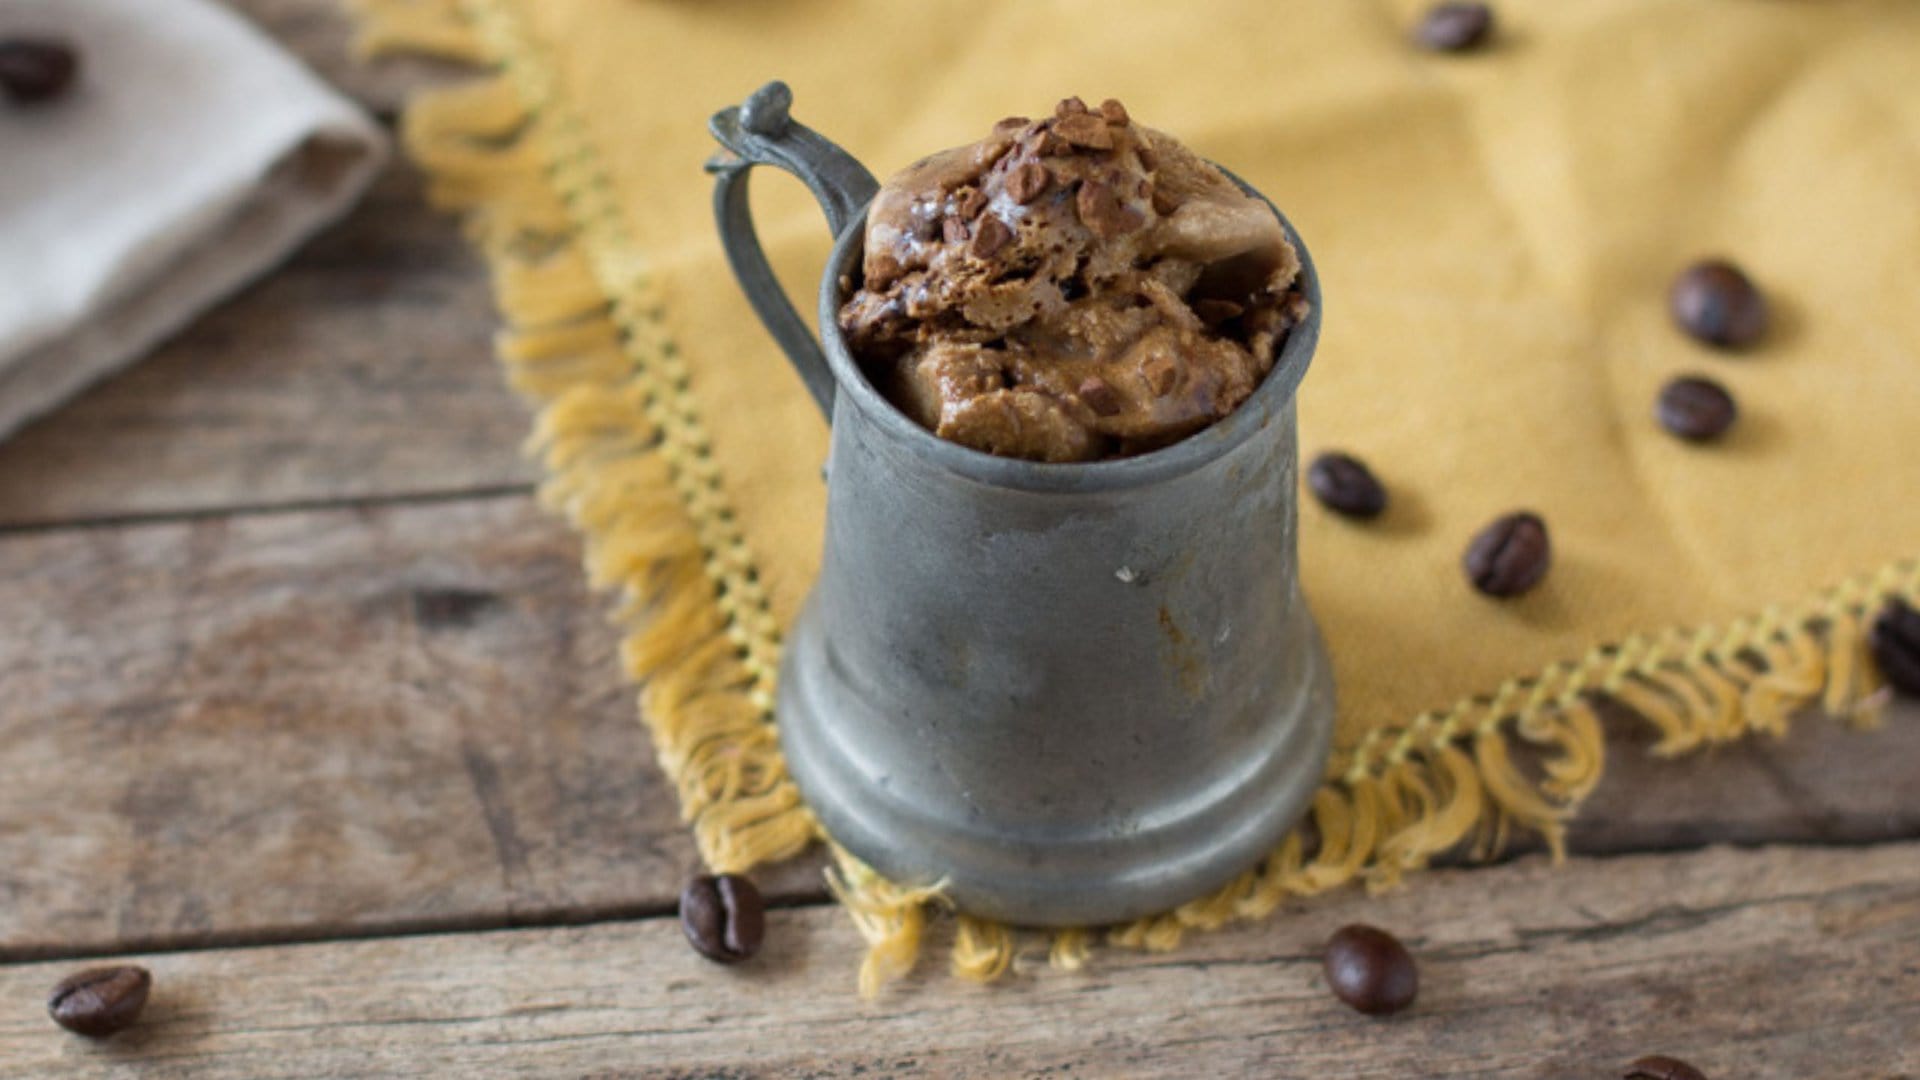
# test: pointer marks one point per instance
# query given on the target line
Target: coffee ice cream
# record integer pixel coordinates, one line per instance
(1069, 289)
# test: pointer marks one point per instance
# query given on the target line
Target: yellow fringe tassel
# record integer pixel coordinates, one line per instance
(627, 464)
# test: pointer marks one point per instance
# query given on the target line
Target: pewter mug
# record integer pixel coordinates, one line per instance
(1069, 694)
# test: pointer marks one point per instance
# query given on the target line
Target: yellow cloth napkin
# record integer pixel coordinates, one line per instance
(1495, 231)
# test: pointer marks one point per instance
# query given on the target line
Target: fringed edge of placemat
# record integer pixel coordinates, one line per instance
(628, 463)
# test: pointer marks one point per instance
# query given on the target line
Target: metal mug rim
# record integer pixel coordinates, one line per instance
(1274, 394)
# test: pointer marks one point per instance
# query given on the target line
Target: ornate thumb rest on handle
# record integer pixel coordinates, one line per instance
(762, 132)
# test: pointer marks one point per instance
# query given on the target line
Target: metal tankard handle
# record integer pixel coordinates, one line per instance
(762, 132)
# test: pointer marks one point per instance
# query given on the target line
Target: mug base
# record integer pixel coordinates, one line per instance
(1132, 862)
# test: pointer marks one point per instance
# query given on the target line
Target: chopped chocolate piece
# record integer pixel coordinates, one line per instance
(1099, 395)
(1161, 373)
(1102, 211)
(1114, 112)
(1028, 181)
(1038, 308)
(1085, 130)
(1214, 312)
(989, 236)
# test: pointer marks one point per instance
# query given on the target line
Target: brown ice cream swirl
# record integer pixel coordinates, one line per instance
(1070, 289)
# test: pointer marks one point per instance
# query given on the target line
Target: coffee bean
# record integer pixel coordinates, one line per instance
(1454, 27)
(1345, 485)
(1695, 408)
(1370, 970)
(1895, 640)
(1509, 556)
(1716, 303)
(724, 917)
(34, 70)
(1661, 1067)
(100, 1001)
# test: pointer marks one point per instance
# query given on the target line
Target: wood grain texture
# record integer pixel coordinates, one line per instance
(361, 369)
(291, 725)
(1774, 963)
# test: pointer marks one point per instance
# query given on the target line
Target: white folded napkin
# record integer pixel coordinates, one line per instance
(192, 155)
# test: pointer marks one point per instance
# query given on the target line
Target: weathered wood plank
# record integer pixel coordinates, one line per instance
(361, 369)
(297, 724)
(1776, 963)
(288, 725)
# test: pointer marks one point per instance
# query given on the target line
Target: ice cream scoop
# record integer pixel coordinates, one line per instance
(1071, 288)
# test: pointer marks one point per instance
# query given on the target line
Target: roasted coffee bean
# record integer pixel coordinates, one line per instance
(1716, 303)
(100, 1001)
(1509, 556)
(1454, 27)
(1370, 970)
(724, 917)
(1695, 408)
(1661, 1067)
(1345, 485)
(1895, 640)
(36, 70)
(1028, 181)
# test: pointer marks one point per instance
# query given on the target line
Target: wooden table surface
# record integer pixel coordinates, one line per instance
(307, 709)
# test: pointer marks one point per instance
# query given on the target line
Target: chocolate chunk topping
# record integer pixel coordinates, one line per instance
(1099, 396)
(1214, 312)
(971, 203)
(989, 236)
(1072, 106)
(954, 231)
(1161, 374)
(1163, 203)
(1102, 211)
(1115, 113)
(1084, 130)
(1028, 182)
(883, 270)
(1013, 122)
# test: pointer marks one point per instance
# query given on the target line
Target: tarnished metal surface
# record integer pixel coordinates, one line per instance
(1074, 693)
